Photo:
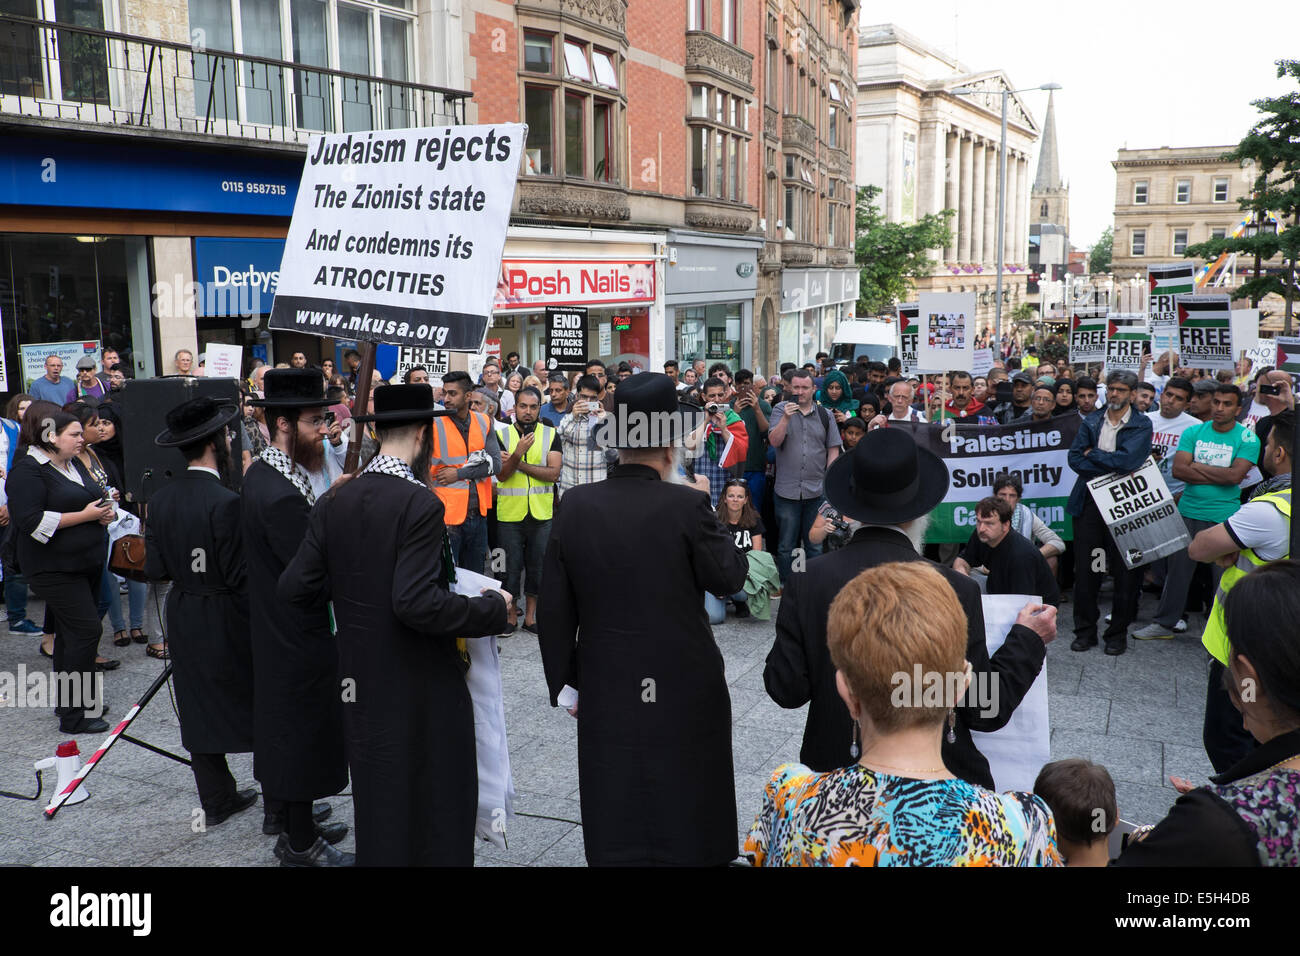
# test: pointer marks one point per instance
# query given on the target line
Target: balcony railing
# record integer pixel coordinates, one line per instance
(58, 71)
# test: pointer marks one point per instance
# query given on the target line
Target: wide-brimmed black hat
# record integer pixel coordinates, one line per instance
(195, 420)
(395, 404)
(886, 479)
(647, 413)
(292, 388)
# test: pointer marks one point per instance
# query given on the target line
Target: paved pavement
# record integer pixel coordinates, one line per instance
(1139, 714)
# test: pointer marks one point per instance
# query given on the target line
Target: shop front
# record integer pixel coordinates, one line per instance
(100, 240)
(612, 280)
(710, 283)
(813, 303)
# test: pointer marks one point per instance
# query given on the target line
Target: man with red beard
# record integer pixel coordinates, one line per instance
(298, 751)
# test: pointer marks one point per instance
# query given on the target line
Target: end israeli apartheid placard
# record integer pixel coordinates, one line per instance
(1141, 514)
(1036, 452)
(1126, 340)
(397, 236)
(1166, 281)
(1088, 332)
(1205, 331)
(566, 338)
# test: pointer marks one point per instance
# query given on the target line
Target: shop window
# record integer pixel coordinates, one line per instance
(539, 48)
(709, 332)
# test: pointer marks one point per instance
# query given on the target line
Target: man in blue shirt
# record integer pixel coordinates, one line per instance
(52, 386)
(555, 411)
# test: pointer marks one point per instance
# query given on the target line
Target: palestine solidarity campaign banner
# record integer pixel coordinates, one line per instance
(397, 235)
(1205, 332)
(1036, 452)
(1288, 355)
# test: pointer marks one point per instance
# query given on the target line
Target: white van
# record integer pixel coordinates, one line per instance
(876, 339)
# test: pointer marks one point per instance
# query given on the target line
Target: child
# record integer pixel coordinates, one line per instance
(851, 433)
(1081, 796)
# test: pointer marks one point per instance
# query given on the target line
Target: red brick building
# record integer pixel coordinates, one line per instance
(688, 175)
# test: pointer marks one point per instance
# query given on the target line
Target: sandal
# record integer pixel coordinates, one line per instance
(107, 665)
(139, 636)
(120, 639)
(158, 651)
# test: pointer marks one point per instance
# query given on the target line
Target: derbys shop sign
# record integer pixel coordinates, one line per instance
(530, 283)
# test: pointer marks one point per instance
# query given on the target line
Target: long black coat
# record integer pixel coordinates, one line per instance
(622, 619)
(207, 610)
(799, 667)
(297, 697)
(409, 725)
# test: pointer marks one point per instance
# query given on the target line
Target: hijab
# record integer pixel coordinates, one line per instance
(847, 404)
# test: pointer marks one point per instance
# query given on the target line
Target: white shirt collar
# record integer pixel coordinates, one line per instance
(40, 456)
(211, 471)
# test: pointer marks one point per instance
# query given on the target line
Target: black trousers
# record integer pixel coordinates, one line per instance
(215, 781)
(73, 601)
(1091, 539)
(1226, 740)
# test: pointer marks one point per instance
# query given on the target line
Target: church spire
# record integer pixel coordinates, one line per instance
(1049, 164)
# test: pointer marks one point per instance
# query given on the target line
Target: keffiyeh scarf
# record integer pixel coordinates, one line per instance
(295, 472)
(388, 465)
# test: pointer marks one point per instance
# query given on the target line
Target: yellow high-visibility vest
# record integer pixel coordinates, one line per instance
(1215, 637)
(522, 494)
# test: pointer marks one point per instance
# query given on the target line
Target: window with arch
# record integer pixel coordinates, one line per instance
(1042, 210)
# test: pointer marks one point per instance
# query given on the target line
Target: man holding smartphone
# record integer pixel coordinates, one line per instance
(583, 460)
(755, 413)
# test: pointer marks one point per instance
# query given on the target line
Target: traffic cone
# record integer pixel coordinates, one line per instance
(67, 758)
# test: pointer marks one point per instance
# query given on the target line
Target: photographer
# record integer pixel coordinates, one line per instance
(60, 514)
(755, 413)
(721, 441)
(583, 460)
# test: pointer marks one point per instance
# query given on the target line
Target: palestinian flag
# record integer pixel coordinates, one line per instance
(1205, 331)
(1288, 355)
(730, 446)
(1088, 337)
(1175, 278)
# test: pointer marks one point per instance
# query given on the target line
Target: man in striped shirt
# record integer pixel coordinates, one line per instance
(583, 460)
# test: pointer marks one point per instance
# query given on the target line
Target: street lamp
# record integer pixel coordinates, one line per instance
(1253, 228)
(1002, 187)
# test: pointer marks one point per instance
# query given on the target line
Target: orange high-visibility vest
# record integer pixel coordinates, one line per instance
(449, 451)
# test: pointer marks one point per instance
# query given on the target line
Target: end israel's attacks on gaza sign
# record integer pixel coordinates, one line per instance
(397, 235)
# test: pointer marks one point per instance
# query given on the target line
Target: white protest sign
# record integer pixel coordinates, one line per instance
(1263, 353)
(223, 361)
(1205, 331)
(982, 363)
(1018, 751)
(1165, 282)
(1245, 330)
(436, 362)
(1088, 338)
(1141, 514)
(397, 236)
(946, 333)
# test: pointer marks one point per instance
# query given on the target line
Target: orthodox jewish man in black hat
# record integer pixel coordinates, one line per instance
(408, 718)
(622, 621)
(297, 700)
(890, 485)
(193, 539)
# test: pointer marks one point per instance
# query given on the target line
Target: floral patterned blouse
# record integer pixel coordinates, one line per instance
(860, 817)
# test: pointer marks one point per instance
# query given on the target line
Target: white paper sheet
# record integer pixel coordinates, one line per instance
(1018, 751)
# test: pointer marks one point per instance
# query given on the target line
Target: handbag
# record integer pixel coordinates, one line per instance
(126, 557)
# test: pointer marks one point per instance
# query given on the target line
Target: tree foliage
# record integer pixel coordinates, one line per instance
(890, 255)
(1102, 250)
(1273, 145)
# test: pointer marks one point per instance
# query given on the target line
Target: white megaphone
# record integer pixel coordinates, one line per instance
(68, 760)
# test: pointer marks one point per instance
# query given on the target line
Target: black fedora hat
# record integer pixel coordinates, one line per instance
(886, 479)
(647, 413)
(395, 404)
(195, 420)
(292, 388)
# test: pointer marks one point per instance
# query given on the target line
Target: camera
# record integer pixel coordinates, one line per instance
(714, 408)
(329, 418)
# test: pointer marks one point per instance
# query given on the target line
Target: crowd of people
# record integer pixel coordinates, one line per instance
(809, 487)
